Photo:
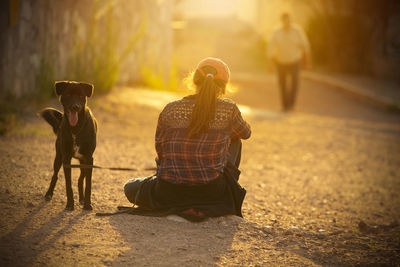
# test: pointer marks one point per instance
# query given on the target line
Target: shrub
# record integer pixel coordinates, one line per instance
(44, 80)
(94, 56)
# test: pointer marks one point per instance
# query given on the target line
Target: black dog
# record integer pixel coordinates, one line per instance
(76, 131)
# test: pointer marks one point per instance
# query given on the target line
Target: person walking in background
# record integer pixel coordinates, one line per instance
(288, 47)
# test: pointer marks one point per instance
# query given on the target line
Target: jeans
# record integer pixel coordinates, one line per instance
(132, 187)
(288, 93)
(235, 152)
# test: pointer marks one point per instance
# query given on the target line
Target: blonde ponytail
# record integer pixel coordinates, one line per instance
(208, 90)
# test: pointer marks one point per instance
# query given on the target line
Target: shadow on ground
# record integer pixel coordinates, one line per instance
(174, 243)
(31, 240)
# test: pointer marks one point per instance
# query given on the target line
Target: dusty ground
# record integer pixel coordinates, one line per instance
(322, 189)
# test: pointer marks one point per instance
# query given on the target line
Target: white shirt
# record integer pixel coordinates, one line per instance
(288, 46)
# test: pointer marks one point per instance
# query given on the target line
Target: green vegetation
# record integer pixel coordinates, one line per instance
(159, 80)
(13, 109)
(44, 80)
(8, 115)
(7, 122)
(393, 108)
(256, 53)
(94, 56)
(33, 130)
(97, 54)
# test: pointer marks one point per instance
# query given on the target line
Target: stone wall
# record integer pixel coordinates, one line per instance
(40, 38)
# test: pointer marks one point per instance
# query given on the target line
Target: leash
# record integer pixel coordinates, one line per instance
(86, 166)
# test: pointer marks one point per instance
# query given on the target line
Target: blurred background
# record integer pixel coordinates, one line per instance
(323, 179)
(157, 42)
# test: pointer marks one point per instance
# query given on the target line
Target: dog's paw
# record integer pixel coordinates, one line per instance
(69, 207)
(87, 207)
(48, 197)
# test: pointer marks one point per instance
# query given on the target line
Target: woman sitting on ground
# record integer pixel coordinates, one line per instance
(198, 153)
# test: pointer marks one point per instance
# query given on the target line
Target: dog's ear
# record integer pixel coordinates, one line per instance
(60, 87)
(87, 89)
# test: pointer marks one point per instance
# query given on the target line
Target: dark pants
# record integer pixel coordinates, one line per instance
(288, 93)
(132, 186)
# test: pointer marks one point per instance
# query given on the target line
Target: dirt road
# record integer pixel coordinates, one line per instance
(322, 189)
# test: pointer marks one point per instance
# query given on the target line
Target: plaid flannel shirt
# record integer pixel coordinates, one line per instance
(200, 159)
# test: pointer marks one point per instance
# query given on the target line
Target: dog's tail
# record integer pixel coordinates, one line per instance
(53, 117)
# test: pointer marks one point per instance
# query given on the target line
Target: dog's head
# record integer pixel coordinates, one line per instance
(73, 96)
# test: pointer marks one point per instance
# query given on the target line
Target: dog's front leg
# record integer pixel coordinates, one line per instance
(68, 186)
(88, 186)
(54, 178)
(80, 183)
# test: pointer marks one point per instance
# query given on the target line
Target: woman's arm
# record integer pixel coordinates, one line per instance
(158, 139)
(240, 128)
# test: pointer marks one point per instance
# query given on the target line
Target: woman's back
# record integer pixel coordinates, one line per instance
(200, 158)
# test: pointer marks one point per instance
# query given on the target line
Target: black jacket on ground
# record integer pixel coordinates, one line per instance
(156, 197)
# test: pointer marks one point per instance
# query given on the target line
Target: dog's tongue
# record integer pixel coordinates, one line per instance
(73, 118)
